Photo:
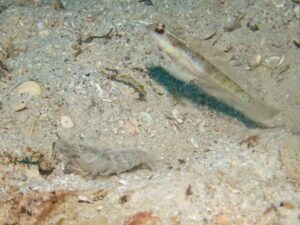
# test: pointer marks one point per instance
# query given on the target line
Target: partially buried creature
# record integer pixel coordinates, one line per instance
(86, 160)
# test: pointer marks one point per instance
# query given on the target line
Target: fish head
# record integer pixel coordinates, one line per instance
(167, 42)
(174, 53)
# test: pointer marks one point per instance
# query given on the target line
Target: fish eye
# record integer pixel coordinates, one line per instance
(160, 28)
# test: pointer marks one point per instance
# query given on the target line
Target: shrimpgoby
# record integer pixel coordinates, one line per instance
(187, 65)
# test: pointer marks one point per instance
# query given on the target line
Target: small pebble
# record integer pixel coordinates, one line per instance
(232, 25)
(30, 87)
(296, 43)
(253, 26)
(57, 5)
(131, 128)
(287, 205)
(66, 122)
(146, 118)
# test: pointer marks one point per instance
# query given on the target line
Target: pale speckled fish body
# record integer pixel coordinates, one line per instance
(191, 67)
(87, 160)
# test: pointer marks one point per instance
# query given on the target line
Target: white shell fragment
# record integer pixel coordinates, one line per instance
(20, 107)
(66, 122)
(194, 142)
(177, 116)
(30, 87)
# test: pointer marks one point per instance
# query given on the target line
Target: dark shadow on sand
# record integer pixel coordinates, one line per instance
(196, 95)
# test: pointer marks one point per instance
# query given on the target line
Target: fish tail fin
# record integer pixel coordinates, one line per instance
(261, 113)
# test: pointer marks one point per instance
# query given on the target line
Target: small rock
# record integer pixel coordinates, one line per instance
(255, 62)
(143, 218)
(287, 205)
(253, 26)
(131, 128)
(45, 167)
(232, 25)
(66, 122)
(57, 5)
(222, 219)
(296, 43)
(30, 87)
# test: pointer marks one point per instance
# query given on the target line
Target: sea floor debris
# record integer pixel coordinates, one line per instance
(207, 161)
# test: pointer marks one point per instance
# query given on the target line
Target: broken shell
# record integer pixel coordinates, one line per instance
(275, 61)
(194, 142)
(66, 122)
(85, 199)
(30, 87)
(20, 107)
(255, 61)
(177, 116)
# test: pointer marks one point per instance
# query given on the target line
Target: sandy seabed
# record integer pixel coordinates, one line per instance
(210, 165)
